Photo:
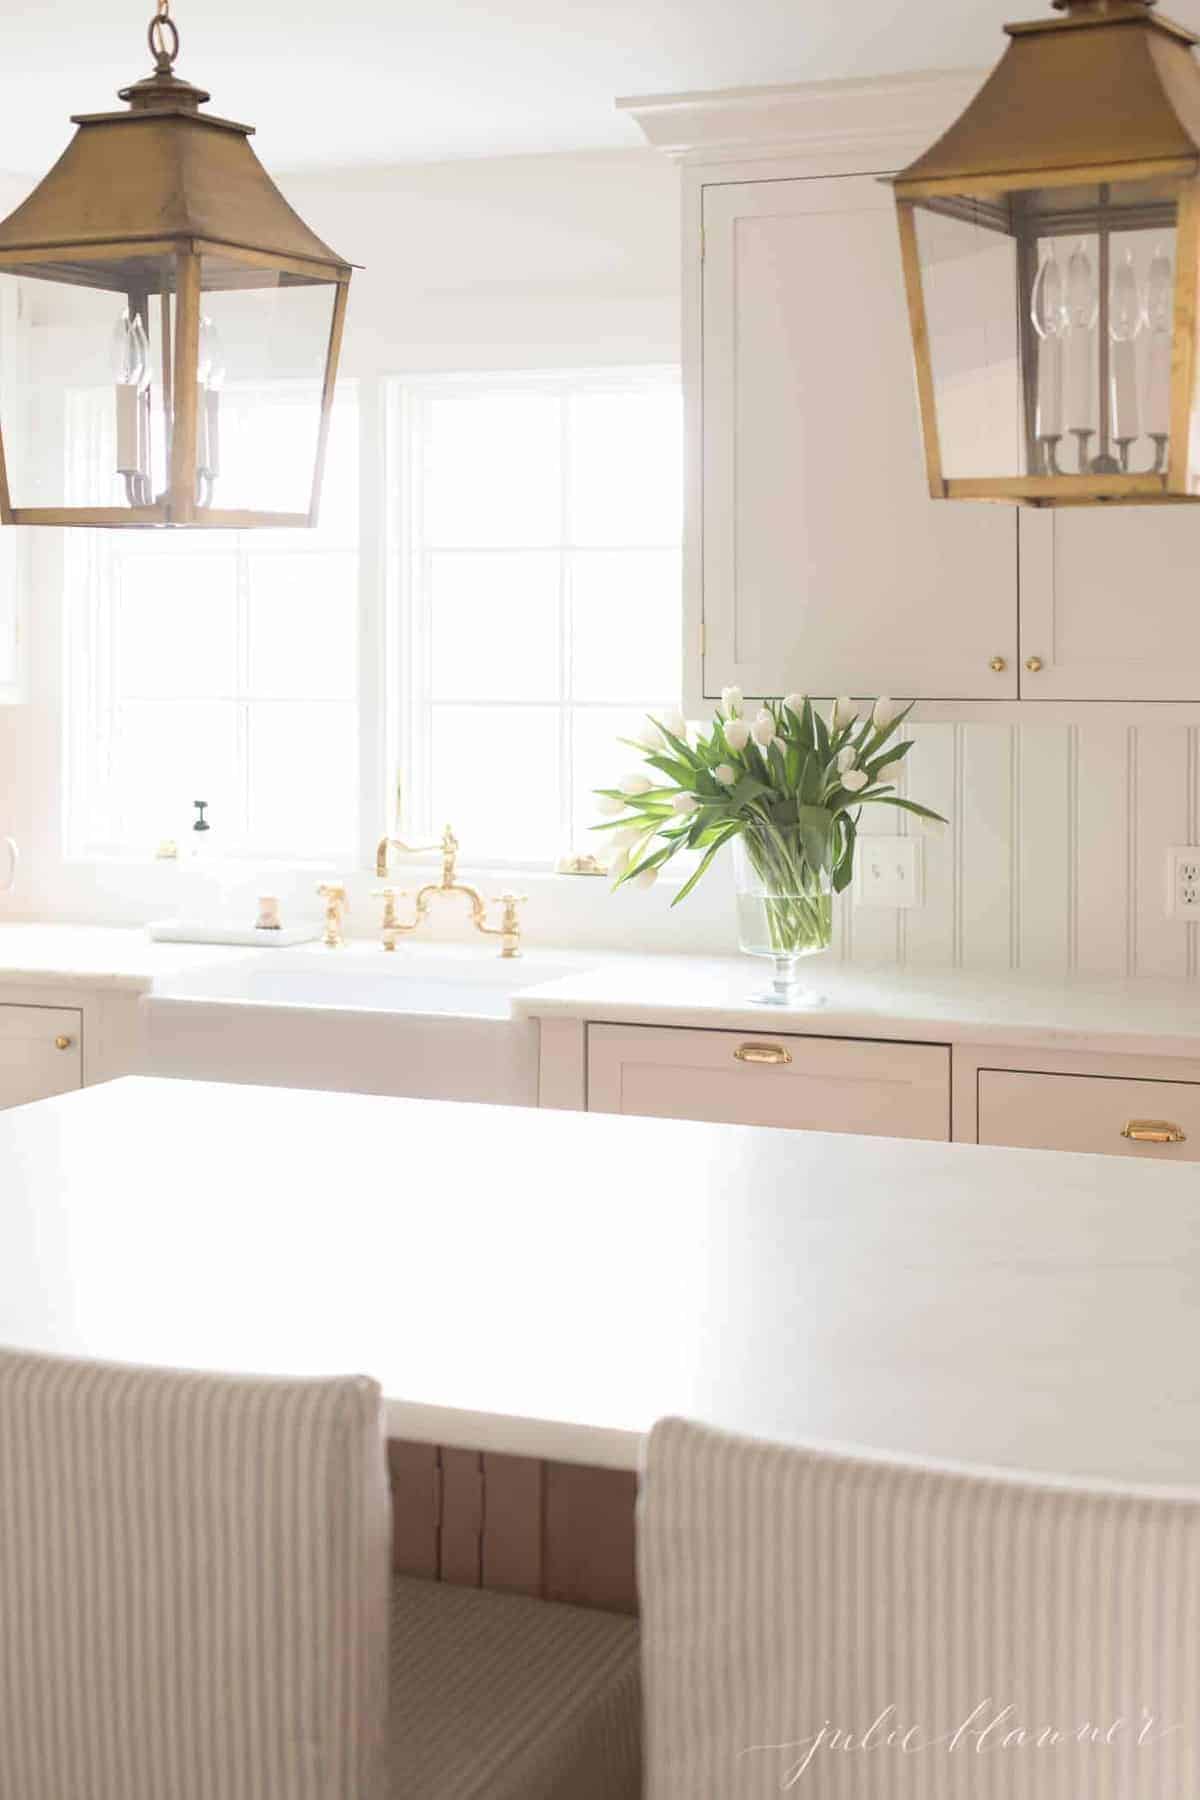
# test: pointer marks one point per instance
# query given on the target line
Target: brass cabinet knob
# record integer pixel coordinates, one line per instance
(998, 665)
(762, 1053)
(1153, 1131)
(63, 1043)
(1034, 664)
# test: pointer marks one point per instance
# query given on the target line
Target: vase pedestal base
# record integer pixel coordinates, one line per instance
(786, 989)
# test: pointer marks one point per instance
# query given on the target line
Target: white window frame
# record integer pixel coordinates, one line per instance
(407, 636)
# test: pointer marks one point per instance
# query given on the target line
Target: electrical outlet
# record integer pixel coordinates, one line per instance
(1183, 882)
(888, 871)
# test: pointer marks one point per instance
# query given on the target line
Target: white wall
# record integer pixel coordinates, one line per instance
(1055, 858)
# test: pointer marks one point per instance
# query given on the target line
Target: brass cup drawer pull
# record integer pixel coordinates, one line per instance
(763, 1053)
(1153, 1131)
(63, 1043)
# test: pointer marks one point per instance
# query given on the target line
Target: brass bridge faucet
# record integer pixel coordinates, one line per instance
(508, 930)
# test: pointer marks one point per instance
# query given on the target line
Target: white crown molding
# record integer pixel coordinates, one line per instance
(804, 118)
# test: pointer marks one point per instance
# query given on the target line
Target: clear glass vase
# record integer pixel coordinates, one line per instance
(784, 909)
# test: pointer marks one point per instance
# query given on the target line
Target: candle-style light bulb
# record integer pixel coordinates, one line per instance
(1083, 307)
(1049, 317)
(1160, 321)
(210, 374)
(1124, 323)
(130, 358)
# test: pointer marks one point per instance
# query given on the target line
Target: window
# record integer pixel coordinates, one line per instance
(221, 667)
(531, 533)
(537, 559)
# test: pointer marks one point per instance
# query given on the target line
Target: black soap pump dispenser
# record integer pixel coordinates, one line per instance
(200, 845)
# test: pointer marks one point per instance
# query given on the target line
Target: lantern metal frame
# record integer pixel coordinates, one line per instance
(147, 194)
(1043, 120)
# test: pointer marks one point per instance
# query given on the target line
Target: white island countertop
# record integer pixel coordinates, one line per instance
(551, 1283)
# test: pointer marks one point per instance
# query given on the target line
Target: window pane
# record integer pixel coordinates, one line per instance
(174, 626)
(165, 756)
(303, 624)
(626, 467)
(599, 760)
(493, 469)
(302, 764)
(495, 625)
(625, 624)
(496, 779)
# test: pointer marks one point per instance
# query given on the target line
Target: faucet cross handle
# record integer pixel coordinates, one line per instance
(510, 923)
(336, 905)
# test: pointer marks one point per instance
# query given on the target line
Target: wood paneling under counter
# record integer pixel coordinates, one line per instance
(557, 1531)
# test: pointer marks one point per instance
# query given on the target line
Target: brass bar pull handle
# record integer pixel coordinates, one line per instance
(1153, 1131)
(763, 1053)
(63, 1043)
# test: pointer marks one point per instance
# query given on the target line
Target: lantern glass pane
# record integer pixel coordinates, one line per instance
(264, 343)
(1051, 315)
(82, 395)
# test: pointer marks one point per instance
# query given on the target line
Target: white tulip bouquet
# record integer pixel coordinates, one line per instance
(788, 783)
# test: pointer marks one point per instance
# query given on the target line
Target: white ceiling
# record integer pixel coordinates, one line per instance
(395, 80)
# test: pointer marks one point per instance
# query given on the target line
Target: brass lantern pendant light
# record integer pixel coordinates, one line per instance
(1051, 255)
(175, 359)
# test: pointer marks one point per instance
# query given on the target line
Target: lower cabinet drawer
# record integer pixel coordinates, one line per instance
(40, 1053)
(1112, 1114)
(743, 1078)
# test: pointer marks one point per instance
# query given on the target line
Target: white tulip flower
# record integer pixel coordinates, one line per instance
(854, 780)
(885, 713)
(619, 864)
(647, 878)
(636, 783)
(844, 710)
(608, 807)
(725, 775)
(794, 703)
(676, 724)
(649, 738)
(846, 758)
(685, 803)
(731, 701)
(737, 734)
(764, 729)
(622, 840)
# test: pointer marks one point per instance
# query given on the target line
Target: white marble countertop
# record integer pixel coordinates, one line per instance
(948, 1006)
(1152, 1017)
(96, 956)
(550, 1283)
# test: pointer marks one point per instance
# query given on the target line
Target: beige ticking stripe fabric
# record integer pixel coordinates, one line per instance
(193, 1585)
(856, 1629)
(500, 1697)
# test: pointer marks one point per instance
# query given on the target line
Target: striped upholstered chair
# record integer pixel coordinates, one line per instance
(194, 1605)
(839, 1626)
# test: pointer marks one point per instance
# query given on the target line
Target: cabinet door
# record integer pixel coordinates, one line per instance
(1108, 603)
(1090, 1112)
(745, 1078)
(41, 1053)
(825, 565)
(12, 554)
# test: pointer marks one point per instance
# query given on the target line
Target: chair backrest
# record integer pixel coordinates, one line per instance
(841, 1626)
(194, 1575)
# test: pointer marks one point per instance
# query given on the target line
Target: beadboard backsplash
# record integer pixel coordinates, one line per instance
(1055, 859)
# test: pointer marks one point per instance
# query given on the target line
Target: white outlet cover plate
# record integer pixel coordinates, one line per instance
(1183, 882)
(889, 871)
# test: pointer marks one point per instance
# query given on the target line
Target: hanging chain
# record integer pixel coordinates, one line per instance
(163, 38)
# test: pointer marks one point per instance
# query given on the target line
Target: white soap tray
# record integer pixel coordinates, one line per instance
(195, 931)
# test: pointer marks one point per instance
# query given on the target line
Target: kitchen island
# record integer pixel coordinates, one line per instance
(548, 1284)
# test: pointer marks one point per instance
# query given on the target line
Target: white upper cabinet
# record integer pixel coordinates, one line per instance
(1110, 603)
(822, 563)
(13, 554)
